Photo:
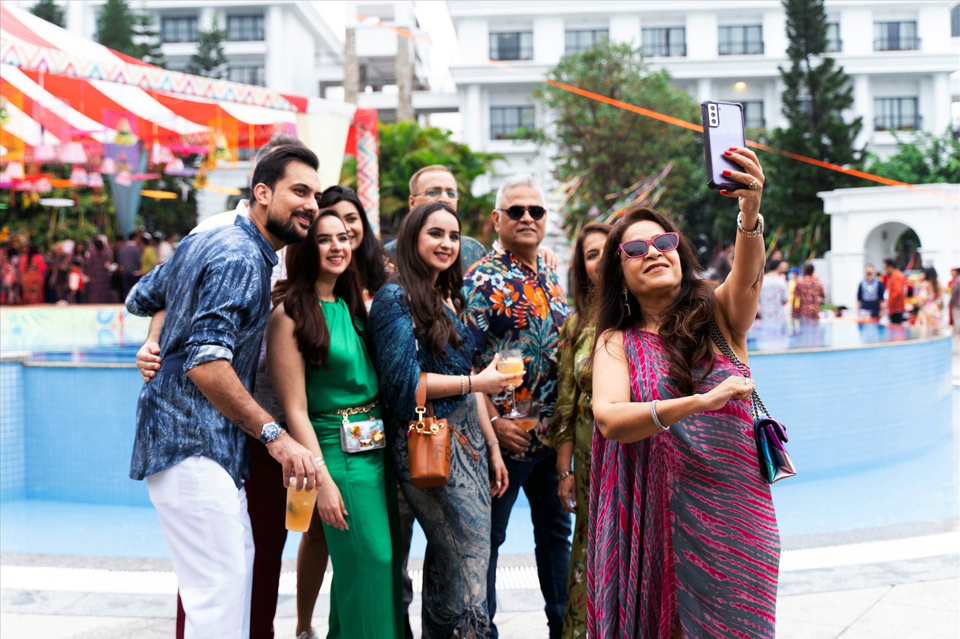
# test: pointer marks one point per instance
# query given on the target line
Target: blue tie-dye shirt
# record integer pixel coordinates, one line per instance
(216, 291)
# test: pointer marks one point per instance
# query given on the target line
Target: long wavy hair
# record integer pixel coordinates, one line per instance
(425, 297)
(369, 260)
(298, 293)
(684, 324)
(583, 288)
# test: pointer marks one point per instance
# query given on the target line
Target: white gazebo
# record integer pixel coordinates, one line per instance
(865, 224)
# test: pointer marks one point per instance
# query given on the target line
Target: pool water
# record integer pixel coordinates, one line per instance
(874, 433)
(828, 334)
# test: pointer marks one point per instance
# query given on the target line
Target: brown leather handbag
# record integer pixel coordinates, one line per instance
(428, 444)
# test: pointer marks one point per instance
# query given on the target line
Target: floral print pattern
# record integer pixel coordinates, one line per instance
(511, 306)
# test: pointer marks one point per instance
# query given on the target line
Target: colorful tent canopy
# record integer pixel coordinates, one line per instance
(73, 89)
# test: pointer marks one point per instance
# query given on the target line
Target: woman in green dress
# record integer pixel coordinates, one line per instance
(571, 429)
(321, 367)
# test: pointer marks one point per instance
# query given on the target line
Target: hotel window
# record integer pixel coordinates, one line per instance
(183, 29)
(245, 28)
(955, 21)
(895, 36)
(665, 42)
(834, 44)
(895, 114)
(580, 40)
(248, 75)
(753, 114)
(741, 40)
(504, 121)
(514, 45)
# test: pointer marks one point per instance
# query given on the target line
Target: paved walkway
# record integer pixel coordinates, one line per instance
(897, 582)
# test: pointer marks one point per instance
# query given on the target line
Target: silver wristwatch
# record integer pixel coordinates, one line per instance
(270, 432)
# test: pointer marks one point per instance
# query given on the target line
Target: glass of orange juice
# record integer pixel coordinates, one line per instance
(528, 419)
(300, 506)
(511, 362)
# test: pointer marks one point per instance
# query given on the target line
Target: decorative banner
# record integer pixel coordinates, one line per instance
(28, 56)
(368, 169)
(48, 327)
(129, 160)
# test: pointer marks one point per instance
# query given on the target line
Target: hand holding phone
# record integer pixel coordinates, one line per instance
(722, 129)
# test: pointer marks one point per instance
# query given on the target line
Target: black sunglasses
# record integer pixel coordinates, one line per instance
(635, 249)
(516, 212)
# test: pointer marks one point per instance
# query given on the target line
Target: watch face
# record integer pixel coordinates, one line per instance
(270, 432)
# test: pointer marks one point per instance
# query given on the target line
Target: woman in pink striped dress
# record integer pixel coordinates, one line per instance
(683, 538)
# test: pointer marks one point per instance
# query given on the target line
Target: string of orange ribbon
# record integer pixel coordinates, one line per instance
(670, 119)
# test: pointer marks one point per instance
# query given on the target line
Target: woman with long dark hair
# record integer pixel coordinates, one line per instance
(415, 324)
(571, 429)
(369, 258)
(683, 535)
(324, 379)
(929, 300)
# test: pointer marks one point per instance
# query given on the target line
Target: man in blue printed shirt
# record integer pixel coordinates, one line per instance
(515, 302)
(194, 416)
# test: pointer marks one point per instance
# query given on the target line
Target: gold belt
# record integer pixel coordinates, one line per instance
(348, 412)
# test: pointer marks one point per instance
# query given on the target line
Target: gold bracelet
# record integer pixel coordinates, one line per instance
(562, 476)
(757, 232)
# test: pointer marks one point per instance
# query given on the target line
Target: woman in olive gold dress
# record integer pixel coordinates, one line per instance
(571, 429)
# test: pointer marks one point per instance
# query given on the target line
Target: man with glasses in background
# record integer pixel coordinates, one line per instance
(514, 301)
(435, 183)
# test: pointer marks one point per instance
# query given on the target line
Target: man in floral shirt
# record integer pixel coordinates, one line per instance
(515, 302)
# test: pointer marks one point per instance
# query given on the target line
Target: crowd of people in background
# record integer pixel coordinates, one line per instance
(79, 272)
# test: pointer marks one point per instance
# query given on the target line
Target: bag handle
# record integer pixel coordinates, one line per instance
(721, 342)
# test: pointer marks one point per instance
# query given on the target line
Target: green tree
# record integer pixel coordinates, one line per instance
(116, 27)
(610, 154)
(148, 45)
(210, 60)
(129, 32)
(816, 93)
(50, 11)
(922, 159)
(405, 148)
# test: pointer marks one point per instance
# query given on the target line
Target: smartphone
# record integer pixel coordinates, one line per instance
(722, 129)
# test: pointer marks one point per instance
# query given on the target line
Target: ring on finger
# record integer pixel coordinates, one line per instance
(755, 185)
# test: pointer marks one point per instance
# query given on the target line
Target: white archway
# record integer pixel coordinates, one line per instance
(880, 242)
(866, 222)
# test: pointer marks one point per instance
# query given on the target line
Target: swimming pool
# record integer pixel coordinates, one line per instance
(871, 422)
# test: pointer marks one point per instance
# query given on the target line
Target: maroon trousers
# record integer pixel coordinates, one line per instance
(267, 504)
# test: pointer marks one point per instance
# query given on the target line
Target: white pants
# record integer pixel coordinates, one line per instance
(205, 522)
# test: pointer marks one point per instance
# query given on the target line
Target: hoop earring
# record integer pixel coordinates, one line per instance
(626, 302)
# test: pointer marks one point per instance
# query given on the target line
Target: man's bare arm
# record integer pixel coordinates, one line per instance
(219, 383)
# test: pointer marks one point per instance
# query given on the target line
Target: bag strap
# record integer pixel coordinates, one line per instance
(721, 343)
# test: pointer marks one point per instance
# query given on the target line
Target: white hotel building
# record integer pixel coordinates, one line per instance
(902, 59)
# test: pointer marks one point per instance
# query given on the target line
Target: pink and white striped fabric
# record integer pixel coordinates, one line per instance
(682, 527)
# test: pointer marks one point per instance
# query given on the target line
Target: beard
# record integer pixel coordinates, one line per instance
(288, 231)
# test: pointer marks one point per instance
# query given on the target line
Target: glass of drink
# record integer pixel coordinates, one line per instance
(528, 420)
(300, 507)
(511, 362)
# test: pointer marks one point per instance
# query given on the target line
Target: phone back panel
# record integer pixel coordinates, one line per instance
(726, 131)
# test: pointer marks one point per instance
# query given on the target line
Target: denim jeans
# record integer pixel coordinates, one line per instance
(551, 533)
